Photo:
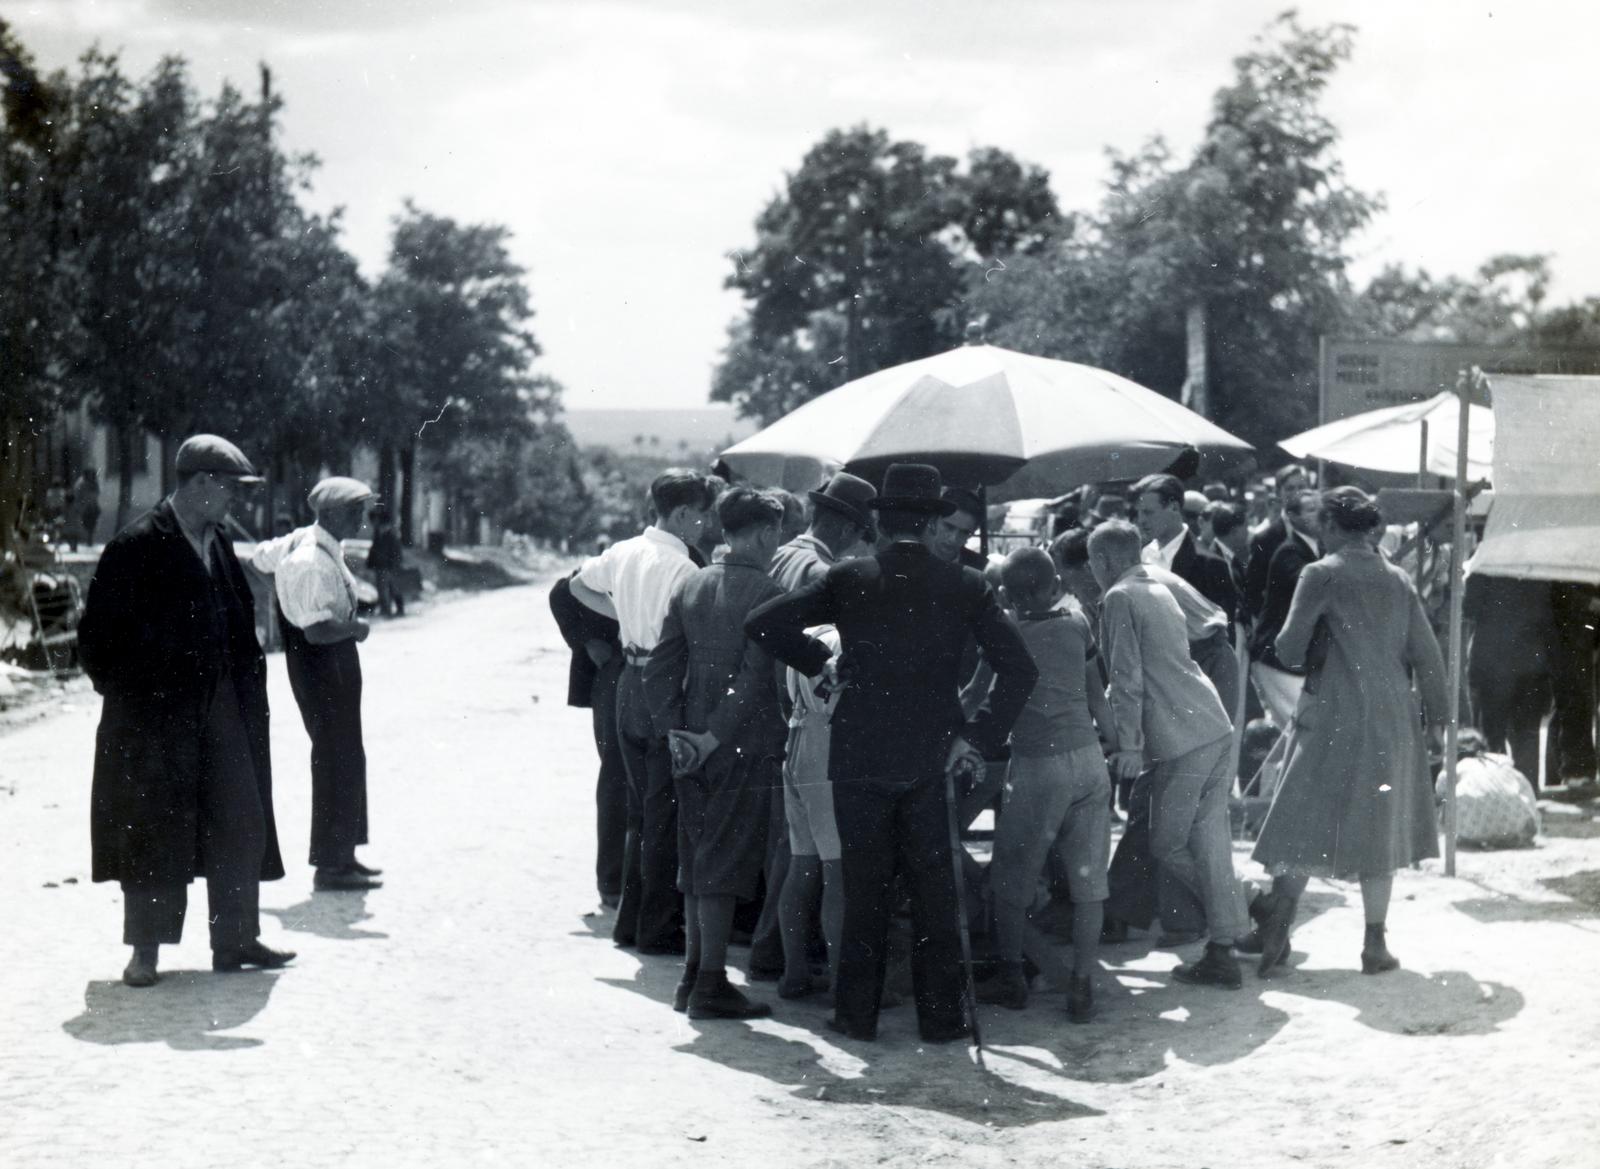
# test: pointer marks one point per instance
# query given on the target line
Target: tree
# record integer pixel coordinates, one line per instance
(1254, 227)
(32, 293)
(451, 315)
(1499, 305)
(859, 263)
(126, 156)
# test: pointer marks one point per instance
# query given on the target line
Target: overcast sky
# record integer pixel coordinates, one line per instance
(629, 144)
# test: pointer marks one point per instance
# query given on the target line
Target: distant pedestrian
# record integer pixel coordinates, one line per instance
(85, 506)
(317, 608)
(183, 771)
(384, 558)
(1355, 799)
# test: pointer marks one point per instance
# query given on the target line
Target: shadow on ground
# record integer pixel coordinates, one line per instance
(329, 914)
(187, 1010)
(797, 1052)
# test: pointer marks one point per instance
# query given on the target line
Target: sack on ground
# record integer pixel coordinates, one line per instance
(1495, 804)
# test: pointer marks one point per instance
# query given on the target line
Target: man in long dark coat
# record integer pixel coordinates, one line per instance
(182, 772)
(904, 616)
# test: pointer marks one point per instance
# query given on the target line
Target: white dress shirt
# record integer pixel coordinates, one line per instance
(312, 580)
(1162, 555)
(639, 575)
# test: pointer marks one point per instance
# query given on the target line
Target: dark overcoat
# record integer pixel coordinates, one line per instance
(1210, 577)
(155, 645)
(904, 617)
(1283, 575)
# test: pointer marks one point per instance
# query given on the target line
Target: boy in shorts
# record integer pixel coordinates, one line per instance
(1057, 784)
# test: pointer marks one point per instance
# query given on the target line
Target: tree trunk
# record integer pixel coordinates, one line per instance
(125, 432)
(408, 492)
(386, 472)
(16, 460)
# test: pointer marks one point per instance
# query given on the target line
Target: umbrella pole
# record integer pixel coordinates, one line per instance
(1422, 482)
(1458, 558)
(983, 522)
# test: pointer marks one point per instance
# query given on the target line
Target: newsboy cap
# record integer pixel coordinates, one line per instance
(216, 455)
(337, 490)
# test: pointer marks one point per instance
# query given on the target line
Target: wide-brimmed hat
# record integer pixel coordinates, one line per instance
(848, 495)
(913, 487)
(216, 455)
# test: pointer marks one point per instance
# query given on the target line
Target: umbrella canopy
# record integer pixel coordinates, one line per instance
(1391, 439)
(980, 413)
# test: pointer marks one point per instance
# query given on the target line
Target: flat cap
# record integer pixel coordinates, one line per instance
(216, 455)
(337, 490)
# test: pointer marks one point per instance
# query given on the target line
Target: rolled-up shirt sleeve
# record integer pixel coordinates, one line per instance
(311, 593)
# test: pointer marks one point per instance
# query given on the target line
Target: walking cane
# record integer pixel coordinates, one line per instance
(961, 908)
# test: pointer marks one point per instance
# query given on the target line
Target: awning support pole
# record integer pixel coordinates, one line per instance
(1458, 559)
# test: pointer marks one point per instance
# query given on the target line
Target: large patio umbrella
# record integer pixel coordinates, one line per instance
(1391, 439)
(979, 413)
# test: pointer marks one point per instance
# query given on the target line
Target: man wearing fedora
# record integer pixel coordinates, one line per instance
(182, 769)
(841, 517)
(316, 597)
(903, 617)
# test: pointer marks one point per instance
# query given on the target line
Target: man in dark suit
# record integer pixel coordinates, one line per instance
(1277, 685)
(596, 647)
(1158, 504)
(1291, 479)
(182, 768)
(903, 618)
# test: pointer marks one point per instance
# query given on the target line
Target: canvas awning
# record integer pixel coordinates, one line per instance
(1545, 523)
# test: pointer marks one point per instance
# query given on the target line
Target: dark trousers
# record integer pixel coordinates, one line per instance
(1140, 893)
(389, 595)
(1572, 674)
(651, 911)
(1510, 711)
(326, 680)
(611, 786)
(886, 825)
(233, 839)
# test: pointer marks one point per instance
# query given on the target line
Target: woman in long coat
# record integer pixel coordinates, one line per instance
(1355, 800)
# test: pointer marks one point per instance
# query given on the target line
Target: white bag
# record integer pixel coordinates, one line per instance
(1495, 804)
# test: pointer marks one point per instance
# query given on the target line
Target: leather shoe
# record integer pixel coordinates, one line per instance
(140, 973)
(343, 879)
(1217, 967)
(250, 954)
(356, 866)
(685, 987)
(714, 997)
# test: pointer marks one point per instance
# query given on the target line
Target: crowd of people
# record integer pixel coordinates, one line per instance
(802, 706)
(808, 721)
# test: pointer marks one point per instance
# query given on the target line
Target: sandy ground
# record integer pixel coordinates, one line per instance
(474, 1012)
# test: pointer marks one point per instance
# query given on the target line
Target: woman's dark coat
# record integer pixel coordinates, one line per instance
(154, 644)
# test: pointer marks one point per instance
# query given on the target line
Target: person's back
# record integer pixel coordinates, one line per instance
(1056, 718)
(1146, 641)
(712, 606)
(905, 618)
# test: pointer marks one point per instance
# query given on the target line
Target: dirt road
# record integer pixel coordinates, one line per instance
(471, 1013)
